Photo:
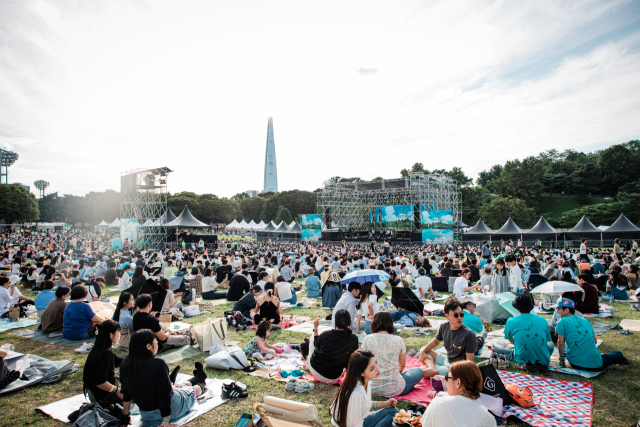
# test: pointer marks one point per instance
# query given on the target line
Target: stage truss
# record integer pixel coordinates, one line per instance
(346, 205)
(143, 196)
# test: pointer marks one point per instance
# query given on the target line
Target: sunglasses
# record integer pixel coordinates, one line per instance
(449, 377)
(456, 315)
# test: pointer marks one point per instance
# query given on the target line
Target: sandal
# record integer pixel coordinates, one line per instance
(617, 327)
(493, 359)
(503, 363)
(419, 333)
(627, 332)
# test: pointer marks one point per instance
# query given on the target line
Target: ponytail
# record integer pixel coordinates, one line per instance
(269, 288)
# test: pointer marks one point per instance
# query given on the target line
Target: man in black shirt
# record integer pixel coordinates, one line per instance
(248, 302)
(144, 320)
(221, 271)
(238, 286)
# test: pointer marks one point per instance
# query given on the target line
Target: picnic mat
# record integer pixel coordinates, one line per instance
(419, 394)
(600, 328)
(307, 328)
(271, 369)
(61, 409)
(36, 335)
(557, 403)
(632, 325)
(287, 320)
(22, 323)
(215, 302)
(174, 355)
(602, 314)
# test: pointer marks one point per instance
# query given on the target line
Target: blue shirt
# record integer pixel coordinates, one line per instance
(472, 322)
(530, 333)
(76, 320)
(44, 298)
(406, 318)
(580, 342)
(312, 284)
(126, 319)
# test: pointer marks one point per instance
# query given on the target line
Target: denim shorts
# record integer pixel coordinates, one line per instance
(183, 399)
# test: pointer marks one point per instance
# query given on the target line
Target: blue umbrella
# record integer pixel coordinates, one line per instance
(364, 276)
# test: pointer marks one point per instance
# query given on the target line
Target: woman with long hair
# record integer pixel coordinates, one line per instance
(367, 307)
(352, 405)
(617, 286)
(500, 279)
(146, 380)
(98, 378)
(138, 276)
(167, 305)
(267, 306)
(124, 317)
(459, 408)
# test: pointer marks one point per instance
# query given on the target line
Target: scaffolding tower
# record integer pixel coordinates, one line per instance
(347, 205)
(143, 196)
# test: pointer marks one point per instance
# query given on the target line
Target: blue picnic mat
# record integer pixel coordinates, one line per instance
(22, 323)
(36, 335)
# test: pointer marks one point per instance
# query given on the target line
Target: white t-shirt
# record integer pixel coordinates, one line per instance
(261, 283)
(459, 285)
(456, 411)
(364, 308)
(515, 278)
(424, 283)
(284, 291)
(583, 249)
(5, 298)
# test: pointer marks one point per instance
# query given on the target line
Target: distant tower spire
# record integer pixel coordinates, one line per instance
(270, 167)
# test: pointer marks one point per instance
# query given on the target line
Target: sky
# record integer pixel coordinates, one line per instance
(89, 90)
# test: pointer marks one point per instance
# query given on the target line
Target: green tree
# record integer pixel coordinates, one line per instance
(473, 199)
(252, 207)
(18, 205)
(378, 178)
(619, 165)
(50, 207)
(497, 212)
(283, 214)
(296, 201)
(240, 196)
(485, 177)
(178, 201)
(521, 179)
(458, 176)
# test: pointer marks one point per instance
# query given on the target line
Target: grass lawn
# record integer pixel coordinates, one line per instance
(616, 392)
(553, 209)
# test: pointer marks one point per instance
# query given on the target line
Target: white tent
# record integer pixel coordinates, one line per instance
(252, 225)
(243, 225)
(115, 223)
(103, 224)
(147, 223)
(292, 224)
(261, 225)
(234, 224)
(603, 227)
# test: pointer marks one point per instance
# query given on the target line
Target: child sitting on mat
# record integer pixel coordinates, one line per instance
(258, 348)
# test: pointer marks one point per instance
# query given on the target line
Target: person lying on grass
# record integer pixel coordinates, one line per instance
(576, 334)
(146, 380)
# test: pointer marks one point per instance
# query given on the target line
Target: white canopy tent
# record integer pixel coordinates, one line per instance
(243, 225)
(252, 225)
(234, 224)
(115, 223)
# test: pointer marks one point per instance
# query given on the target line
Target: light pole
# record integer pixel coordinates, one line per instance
(7, 158)
(41, 185)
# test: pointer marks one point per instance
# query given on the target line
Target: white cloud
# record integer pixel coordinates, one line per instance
(89, 90)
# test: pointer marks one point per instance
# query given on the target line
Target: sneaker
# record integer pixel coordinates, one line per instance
(626, 332)
(84, 348)
(232, 390)
(303, 385)
(291, 384)
(617, 327)
(626, 362)
(503, 363)
(528, 367)
(493, 359)
(635, 307)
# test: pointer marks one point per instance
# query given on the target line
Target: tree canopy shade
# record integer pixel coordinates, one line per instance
(18, 205)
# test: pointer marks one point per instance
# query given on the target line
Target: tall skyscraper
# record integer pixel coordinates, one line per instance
(270, 167)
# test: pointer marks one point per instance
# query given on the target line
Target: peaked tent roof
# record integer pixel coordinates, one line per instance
(282, 228)
(103, 223)
(296, 228)
(115, 223)
(459, 223)
(186, 220)
(509, 227)
(234, 224)
(261, 225)
(169, 215)
(622, 224)
(479, 228)
(270, 227)
(542, 227)
(584, 226)
(243, 224)
(292, 224)
(252, 225)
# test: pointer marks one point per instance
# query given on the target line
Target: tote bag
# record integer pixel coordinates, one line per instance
(493, 385)
(210, 332)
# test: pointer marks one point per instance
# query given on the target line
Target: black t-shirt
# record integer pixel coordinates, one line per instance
(332, 350)
(149, 385)
(238, 286)
(100, 371)
(146, 321)
(246, 303)
(221, 273)
(457, 343)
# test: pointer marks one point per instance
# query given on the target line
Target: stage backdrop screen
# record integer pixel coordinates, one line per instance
(129, 230)
(311, 227)
(437, 225)
(370, 217)
(397, 216)
(435, 236)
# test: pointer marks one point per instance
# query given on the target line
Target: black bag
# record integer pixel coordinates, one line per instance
(492, 385)
(92, 415)
(187, 295)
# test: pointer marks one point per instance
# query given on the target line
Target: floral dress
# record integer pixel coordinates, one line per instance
(252, 348)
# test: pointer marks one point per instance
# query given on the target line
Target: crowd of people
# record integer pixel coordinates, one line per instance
(69, 272)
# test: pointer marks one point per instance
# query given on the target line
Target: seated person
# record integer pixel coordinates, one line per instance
(146, 379)
(111, 275)
(45, 297)
(459, 341)
(52, 319)
(284, 291)
(125, 281)
(423, 285)
(286, 271)
(94, 291)
(554, 322)
(75, 278)
(312, 285)
(577, 334)
(124, 317)
(248, 302)
(598, 267)
(329, 352)
(586, 302)
(390, 353)
(209, 286)
(332, 291)
(167, 305)
(143, 319)
(10, 295)
(470, 320)
(349, 302)
(98, 377)
(267, 306)
(78, 316)
(459, 408)
(529, 333)
(238, 286)
(6, 376)
(617, 286)
(352, 406)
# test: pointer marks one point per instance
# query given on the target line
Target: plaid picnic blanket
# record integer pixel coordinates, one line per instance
(557, 403)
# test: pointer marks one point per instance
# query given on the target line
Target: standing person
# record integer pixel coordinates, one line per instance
(460, 408)
(98, 377)
(576, 333)
(146, 379)
(459, 341)
(390, 353)
(348, 301)
(583, 248)
(485, 250)
(616, 249)
(330, 351)
(352, 405)
(515, 276)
